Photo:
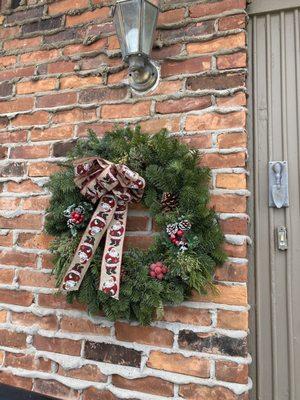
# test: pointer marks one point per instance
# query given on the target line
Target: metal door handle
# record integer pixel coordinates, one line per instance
(278, 184)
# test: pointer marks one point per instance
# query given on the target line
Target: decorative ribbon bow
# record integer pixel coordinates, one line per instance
(114, 186)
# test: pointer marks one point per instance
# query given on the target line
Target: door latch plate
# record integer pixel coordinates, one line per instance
(282, 239)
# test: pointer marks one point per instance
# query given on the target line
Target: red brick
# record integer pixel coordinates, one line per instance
(86, 373)
(43, 169)
(197, 141)
(8, 32)
(19, 297)
(95, 394)
(125, 110)
(236, 320)
(12, 339)
(141, 242)
(231, 181)
(187, 315)
(144, 334)
(37, 118)
(3, 319)
(135, 223)
(57, 345)
(155, 125)
(6, 276)
(230, 140)
(183, 105)
(234, 226)
(99, 14)
(160, 54)
(56, 100)
(30, 151)
(61, 67)
(190, 66)
(228, 203)
(6, 61)
(13, 137)
(80, 325)
(36, 203)
(231, 61)
(27, 361)
(178, 363)
(236, 100)
(231, 295)
(232, 22)
(47, 261)
(232, 272)
(8, 74)
(202, 10)
(7, 378)
(6, 239)
(171, 16)
(217, 160)
(14, 106)
(47, 322)
(12, 257)
(197, 392)
(36, 279)
(73, 82)
(232, 372)
(58, 302)
(55, 389)
(151, 385)
(235, 251)
(22, 43)
(26, 186)
(214, 45)
(75, 49)
(66, 5)
(168, 87)
(34, 241)
(42, 85)
(215, 121)
(57, 133)
(9, 203)
(24, 221)
(41, 56)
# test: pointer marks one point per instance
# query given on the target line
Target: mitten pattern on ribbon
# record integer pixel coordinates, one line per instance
(113, 186)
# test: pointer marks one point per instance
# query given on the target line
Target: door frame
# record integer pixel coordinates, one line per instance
(255, 8)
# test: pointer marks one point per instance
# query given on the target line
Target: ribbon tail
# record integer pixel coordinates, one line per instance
(89, 243)
(113, 251)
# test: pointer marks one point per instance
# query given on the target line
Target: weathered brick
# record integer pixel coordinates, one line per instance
(234, 226)
(180, 364)
(231, 61)
(197, 141)
(96, 394)
(231, 295)
(231, 181)
(36, 203)
(17, 105)
(126, 110)
(39, 56)
(71, 82)
(47, 322)
(151, 385)
(217, 160)
(36, 279)
(187, 315)
(62, 149)
(112, 354)
(141, 242)
(66, 5)
(19, 297)
(171, 16)
(6, 89)
(25, 15)
(215, 45)
(6, 276)
(56, 100)
(80, 325)
(193, 391)
(56, 133)
(22, 43)
(231, 372)
(34, 241)
(6, 61)
(25, 186)
(155, 125)
(102, 94)
(191, 30)
(20, 259)
(58, 302)
(12, 339)
(99, 14)
(9, 203)
(86, 372)
(8, 74)
(232, 22)
(43, 25)
(62, 36)
(27, 361)
(214, 8)
(6, 378)
(144, 334)
(216, 82)
(3, 318)
(36, 118)
(183, 105)
(43, 169)
(229, 203)
(6, 238)
(12, 169)
(236, 320)
(26, 221)
(57, 345)
(30, 152)
(61, 67)
(216, 121)
(232, 272)
(226, 140)
(13, 137)
(76, 49)
(56, 389)
(239, 251)
(42, 85)
(71, 116)
(237, 100)
(190, 66)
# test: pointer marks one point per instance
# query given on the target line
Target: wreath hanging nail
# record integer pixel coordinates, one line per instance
(87, 216)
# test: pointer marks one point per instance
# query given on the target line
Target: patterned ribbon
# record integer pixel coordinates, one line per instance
(114, 186)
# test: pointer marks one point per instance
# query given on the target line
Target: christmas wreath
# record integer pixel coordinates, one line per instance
(90, 198)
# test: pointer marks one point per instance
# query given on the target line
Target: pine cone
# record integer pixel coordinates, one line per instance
(184, 225)
(169, 201)
(172, 229)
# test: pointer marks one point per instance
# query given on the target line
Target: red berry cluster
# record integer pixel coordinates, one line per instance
(177, 237)
(158, 270)
(76, 217)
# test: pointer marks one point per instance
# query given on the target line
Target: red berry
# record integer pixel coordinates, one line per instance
(174, 241)
(164, 270)
(152, 267)
(177, 242)
(160, 277)
(157, 270)
(180, 233)
(153, 274)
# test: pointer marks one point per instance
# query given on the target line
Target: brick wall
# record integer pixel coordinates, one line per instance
(61, 73)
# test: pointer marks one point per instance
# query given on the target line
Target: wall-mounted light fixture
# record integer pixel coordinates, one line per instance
(135, 22)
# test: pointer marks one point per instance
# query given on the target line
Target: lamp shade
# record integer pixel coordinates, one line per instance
(135, 22)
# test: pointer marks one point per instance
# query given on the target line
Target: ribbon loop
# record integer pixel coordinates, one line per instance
(113, 186)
